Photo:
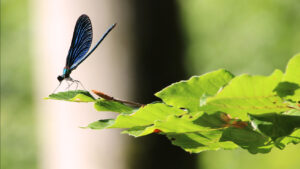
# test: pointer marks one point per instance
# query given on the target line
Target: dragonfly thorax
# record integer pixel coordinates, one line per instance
(66, 74)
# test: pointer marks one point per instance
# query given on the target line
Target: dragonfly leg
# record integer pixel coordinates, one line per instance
(69, 85)
(76, 85)
(56, 87)
(77, 81)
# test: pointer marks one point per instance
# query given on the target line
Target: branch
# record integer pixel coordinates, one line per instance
(107, 97)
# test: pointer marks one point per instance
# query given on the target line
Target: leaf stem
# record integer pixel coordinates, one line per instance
(292, 107)
(107, 97)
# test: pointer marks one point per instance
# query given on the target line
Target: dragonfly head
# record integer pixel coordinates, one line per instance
(60, 78)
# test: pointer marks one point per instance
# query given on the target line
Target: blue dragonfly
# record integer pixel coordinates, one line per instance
(80, 45)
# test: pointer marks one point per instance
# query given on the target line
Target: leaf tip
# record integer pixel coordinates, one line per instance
(86, 127)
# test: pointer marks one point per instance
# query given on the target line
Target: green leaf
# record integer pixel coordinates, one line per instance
(248, 94)
(187, 94)
(187, 123)
(172, 124)
(140, 119)
(293, 138)
(113, 106)
(146, 115)
(292, 72)
(198, 142)
(275, 125)
(292, 75)
(210, 134)
(138, 131)
(190, 123)
(101, 124)
(248, 139)
(73, 96)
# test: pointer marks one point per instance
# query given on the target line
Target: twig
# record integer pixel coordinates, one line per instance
(107, 97)
(291, 107)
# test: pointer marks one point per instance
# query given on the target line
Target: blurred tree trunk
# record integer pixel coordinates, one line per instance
(62, 144)
(159, 62)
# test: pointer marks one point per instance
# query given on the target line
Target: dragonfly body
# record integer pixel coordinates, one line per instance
(81, 43)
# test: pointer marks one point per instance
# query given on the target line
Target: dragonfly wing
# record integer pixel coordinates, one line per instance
(94, 48)
(81, 42)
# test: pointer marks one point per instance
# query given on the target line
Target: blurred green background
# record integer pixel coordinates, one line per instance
(253, 37)
(18, 136)
(242, 36)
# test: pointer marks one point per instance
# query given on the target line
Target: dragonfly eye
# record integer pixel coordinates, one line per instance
(60, 78)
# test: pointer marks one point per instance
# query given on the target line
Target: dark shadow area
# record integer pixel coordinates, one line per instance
(158, 63)
(159, 47)
(284, 89)
(248, 139)
(211, 120)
